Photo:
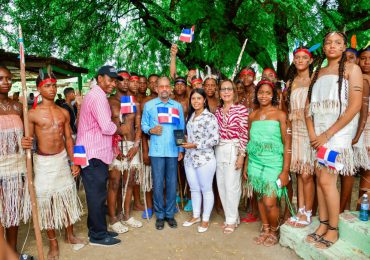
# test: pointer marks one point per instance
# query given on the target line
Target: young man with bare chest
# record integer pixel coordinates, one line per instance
(127, 161)
(58, 203)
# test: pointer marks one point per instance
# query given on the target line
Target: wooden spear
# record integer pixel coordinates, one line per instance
(239, 60)
(31, 189)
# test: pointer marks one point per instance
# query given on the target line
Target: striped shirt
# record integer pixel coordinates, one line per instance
(95, 126)
(234, 124)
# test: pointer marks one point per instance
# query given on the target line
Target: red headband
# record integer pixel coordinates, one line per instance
(196, 81)
(247, 72)
(262, 82)
(46, 81)
(273, 71)
(303, 50)
(134, 78)
(124, 75)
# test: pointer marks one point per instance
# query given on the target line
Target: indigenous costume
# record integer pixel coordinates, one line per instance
(125, 165)
(58, 203)
(15, 203)
(302, 157)
(146, 180)
(265, 157)
(325, 108)
(366, 135)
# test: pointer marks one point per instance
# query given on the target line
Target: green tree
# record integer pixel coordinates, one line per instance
(137, 35)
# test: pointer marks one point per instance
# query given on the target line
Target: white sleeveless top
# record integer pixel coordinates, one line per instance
(325, 110)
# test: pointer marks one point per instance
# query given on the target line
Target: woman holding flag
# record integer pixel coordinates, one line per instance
(334, 100)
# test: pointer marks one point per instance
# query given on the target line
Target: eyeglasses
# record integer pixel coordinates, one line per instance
(226, 89)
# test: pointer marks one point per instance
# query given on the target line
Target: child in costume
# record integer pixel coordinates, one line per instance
(334, 100)
(268, 159)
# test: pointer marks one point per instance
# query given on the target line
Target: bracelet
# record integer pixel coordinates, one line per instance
(241, 153)
(71, 163)
(137, 143)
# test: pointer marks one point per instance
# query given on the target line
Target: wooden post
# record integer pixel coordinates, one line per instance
(31, 189)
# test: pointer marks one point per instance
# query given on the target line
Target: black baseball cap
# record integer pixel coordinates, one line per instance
(109, 71)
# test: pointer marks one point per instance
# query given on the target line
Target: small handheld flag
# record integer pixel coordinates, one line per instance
(168, 115)
(128, 105)
(79, 155)
(187, 35)
(327, 157)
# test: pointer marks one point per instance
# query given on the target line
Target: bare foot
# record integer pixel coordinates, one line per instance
(139, 207)
(74, 240)
(53, 253)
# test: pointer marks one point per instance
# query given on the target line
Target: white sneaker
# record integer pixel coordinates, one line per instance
(188, 223)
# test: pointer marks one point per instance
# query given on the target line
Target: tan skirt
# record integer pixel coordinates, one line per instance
(57, 199)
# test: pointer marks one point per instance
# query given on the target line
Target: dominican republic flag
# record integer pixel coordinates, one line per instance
(128, 105)
(79, 155)
(187, 35)
(168, 115)
(328, 158)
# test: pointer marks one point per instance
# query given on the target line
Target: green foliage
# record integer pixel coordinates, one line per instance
(137, 35)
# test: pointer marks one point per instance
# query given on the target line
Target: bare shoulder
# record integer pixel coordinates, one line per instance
(352, 68)
(281, 115)
(63, 111)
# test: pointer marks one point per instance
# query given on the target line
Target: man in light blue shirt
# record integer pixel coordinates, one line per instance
(163, 152)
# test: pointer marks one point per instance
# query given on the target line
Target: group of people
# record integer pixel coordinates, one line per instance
(247, 137)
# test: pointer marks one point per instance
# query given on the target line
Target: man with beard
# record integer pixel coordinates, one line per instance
(161, 116)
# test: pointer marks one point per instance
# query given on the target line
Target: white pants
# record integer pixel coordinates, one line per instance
(228, 179)
(200, 181)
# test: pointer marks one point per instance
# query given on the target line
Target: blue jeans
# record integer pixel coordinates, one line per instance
(164, 169)
(94, 178)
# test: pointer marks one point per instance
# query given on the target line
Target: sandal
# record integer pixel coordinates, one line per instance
(265, 230)
(304, 223)
(131, 222)
(118, 228)
(272, 239)
(314, 236)
(229, 229)
(292, 220)
(323, 243)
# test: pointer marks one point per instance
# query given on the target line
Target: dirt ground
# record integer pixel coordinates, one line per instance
(180, 243)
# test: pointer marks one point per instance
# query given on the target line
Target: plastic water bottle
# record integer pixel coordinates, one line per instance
(364, 208)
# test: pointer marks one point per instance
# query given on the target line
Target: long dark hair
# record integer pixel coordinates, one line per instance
(292, 73)
(341, 70)
(201, 92)
(274, 100)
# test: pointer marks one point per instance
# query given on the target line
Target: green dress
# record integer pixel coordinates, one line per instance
(265, 157)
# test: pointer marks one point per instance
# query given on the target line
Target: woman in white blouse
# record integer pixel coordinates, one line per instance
(200, 161)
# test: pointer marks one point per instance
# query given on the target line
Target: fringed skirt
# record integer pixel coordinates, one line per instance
(302, 159)
(15, 206)
(57, 199)
(124, 165)
(366, 135)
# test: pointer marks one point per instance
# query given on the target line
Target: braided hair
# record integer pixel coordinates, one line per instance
(341, 71)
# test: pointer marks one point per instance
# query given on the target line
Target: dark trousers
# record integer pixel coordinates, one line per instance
(94, 179)
(164, 169)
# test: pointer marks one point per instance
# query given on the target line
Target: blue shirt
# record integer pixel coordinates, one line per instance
(162, 145)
